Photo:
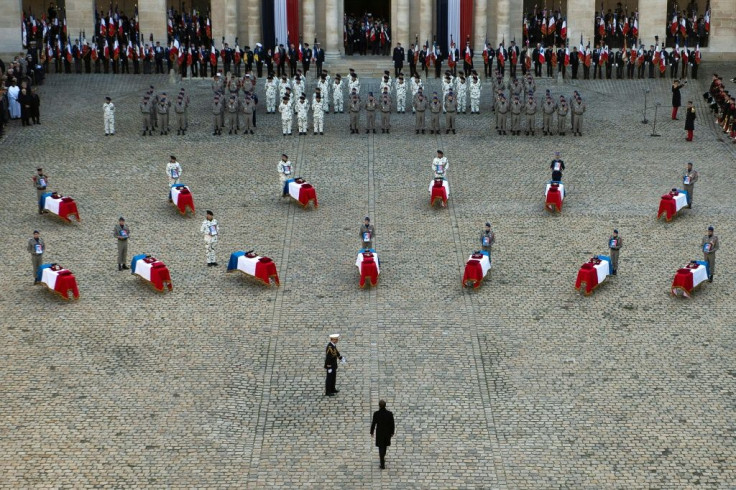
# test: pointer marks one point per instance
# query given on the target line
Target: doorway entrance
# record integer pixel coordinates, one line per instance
(367, 28)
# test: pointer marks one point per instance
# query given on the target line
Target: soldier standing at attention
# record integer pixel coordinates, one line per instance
(451, 108)
(211, 231)
(302, 114)
(434, 108)
(370, 113)
(286, 171)
(233, 106)
(271, 86)
(548, 108)
(531, 115)
(36, 248)
(461, 87)
(516, 108)
(367, 234)
(122, 233)
(331, 357)
(337, 95)
(108, 109)
(180, 108)
(146, 113)
(216, 113)
(614, 243)
(688, 181)
(487, 239)
(400, 94)
(578, 108)
(248, 107)
(557, 167)
(710, 246)
(385, 111)
(163, 112)
(689, 120)
(40, 182)
(318, 114)
(502, 107)
(475, 87)
(173, 171)
(440, 165)
(419, 107)
(286, 116)
(354, 109)
(562, 110)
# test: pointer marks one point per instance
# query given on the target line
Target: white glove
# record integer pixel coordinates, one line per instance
(329, 371)
(343, 360)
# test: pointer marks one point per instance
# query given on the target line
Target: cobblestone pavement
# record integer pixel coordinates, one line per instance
(522, 383)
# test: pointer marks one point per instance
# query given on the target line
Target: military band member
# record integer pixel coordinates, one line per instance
(475, 89)
(337, 95)
(40, 182)
(354, 110)
(385, 103)
(367, 234)
(557, 167)
(401, 88)
(461, 89)
(173, 171)
(286, 172)
(516, 108)
(451, 112)
(248, 107)
(440, 165)
(487, 239)
(36, 248)
(121, 234)
(710, 245)
(286, 115)
(530, 109)
(562, 110)
(419, 107)
(614, 244)
(434, 108)
(211, 231)
(217, 108)
(370, 113)
(688, 181)
(332, 355)
(318, 114)
(301, 109)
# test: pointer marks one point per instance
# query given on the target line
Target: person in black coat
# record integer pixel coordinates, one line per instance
(383, 427)
(398, 57)
(676, 98)
(690, 120)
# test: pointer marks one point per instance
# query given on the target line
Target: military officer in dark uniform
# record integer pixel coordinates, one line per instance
(614, 244)
(398, 57)
(710, 245)
(332, 355)
(383, 427)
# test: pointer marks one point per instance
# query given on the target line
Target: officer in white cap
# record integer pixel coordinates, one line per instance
(332, 355)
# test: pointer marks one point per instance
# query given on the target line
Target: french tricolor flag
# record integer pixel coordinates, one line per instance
(280, 22)
(459, 25)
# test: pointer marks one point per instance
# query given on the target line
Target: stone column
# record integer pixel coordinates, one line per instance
(580, 18)
(426, 26)
(80, 16)
(400, 30)
(254, 23)
(480, 26)
(508, 17)
(309, 28)
(10, 31)
(152, 19)
(722, 28)
(333, 26)
(653, 20)
(224, 21)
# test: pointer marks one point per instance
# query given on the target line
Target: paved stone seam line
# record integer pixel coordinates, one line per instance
(460, 253)
(262, 418)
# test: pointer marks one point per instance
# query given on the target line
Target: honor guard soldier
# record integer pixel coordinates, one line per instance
(530, 109)
(434, 108)
(122, 233)
(440, 165)
(248, 107)
(447, 85)
(688, 181)
(419, 107)
(173, 171)
(548, 109)
(367, 234)
(557, 167)
(284, 86)
(451, 112)
(401, 88)
(516, 108)
(475, 88)
(108, 109)
(286, 172)
(180, 107)
(415, 85)
(332, 355)
(271, 88)
(710, 246)
(562, 110)
(354, 109)
(324, 83)
(487, 239)
(354, 82)
(502, 107)
(40, 182)
(211, 231)
(385, 103)
(297, 87)
(578, 109)
(36, 248)
(217, 107)
(301, 110)
(318, 114)
(287, 115)
(614, 244)
(370, 113)
(146, 110)
(461, 89)
(337, 95)
(233, 106)
(163, 113)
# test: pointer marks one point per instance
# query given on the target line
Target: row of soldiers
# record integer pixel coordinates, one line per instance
(234, 104)
(515, 108)
(155, 109)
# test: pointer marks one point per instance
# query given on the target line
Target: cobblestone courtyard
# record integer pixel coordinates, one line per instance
(521, 384)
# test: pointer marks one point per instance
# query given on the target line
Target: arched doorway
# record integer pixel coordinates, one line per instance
(367, 27)
(617, 24)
